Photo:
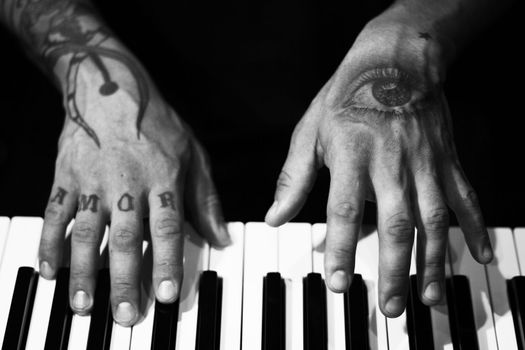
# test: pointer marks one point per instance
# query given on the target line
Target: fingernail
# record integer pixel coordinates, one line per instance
(394, 304)
(339, 281)
(273, 209)
(166, 291)
(433, 291)
(487, 251)
(45, 270)
(81, 300)
(125, 313)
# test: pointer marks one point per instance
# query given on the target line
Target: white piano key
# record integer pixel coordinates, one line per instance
(439, 317)
(397, 327)
(335, 303)
(196, 254)
(366, 264)
(228, 263)
(260, 257)
(503, 267)
(20, 249)
(78, 335)
(36, 336)
(4, 227)
(439, 314)
(519, 244)
(141, 333)
(462, 263)
(295, 263)
(120, 337)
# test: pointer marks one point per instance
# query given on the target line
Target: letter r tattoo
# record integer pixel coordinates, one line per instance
(166, 200)
(59, 196)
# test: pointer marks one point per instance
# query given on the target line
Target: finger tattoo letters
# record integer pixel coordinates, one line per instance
(88, 203)
(166, 200)
(125, 203)
(59, 196)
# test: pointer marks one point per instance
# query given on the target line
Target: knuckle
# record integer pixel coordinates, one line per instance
(167, 227)
(48, 245)
(84, 232)
(284, 180)
(346, 210)
(211, 201)
(394, 276)
(435, 263)
(81, 275)
(123, 284)
(470, 200)
(168, 267)
(400, 228)
(337, 256)
(436, 220)
(125, 239)
(55, 216)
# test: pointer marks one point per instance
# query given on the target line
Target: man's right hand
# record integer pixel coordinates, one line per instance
(382, 126)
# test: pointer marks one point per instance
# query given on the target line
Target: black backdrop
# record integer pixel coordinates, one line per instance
(242, 73)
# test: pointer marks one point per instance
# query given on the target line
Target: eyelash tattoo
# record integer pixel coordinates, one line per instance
(385, 91)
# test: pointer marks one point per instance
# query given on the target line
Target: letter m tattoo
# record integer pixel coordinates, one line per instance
(88, 203)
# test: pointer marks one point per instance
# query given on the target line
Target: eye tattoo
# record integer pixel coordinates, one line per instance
(391, 93)
(385, 91)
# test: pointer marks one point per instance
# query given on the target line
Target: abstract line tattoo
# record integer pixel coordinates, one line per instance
(425, 35)
(56, 29)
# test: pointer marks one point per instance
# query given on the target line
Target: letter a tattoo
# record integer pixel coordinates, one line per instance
(166, 200)
(125, 203)
(88, 203)
(59, 197)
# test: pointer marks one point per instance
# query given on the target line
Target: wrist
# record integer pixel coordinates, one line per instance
(420, 28)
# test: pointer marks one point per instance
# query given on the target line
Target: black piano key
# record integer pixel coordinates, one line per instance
(209, 314)
(314, 313)
(419, 322)
(99, 337)
(164, 332)
(273, 327)
(356, 315)
(59, 326)
(21, 307)
(516, 294)
(461, 314)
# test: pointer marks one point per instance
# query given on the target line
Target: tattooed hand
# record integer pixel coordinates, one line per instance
(124, 155)
(124, 181)
(382, 126)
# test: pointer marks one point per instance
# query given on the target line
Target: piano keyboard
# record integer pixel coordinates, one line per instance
(266, 291)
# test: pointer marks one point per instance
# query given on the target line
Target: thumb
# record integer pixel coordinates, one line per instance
(296, 178)
(202, 200)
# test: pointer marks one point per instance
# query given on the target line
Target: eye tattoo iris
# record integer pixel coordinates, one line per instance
(391, 92)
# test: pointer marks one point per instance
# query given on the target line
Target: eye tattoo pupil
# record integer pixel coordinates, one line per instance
(391, 93)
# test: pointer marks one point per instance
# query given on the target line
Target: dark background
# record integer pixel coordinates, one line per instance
(242, 73)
